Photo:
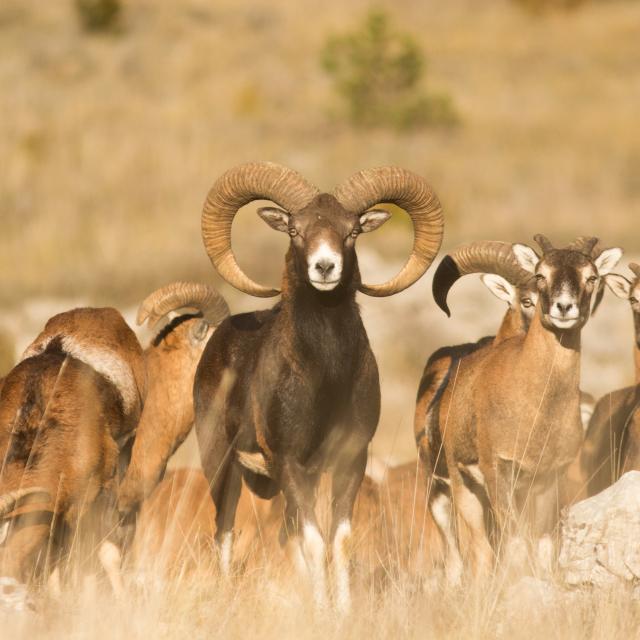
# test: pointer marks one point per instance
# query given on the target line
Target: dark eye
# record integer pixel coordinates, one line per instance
(354, 233)
(293, 232)
(633, 300)
(539, 277)
(526, 302)
(592, 279)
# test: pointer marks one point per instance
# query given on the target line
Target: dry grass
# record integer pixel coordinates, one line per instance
(394, 596)
(204, 607)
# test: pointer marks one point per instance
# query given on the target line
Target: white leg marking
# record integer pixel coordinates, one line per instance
(341, 567)
(226, 550)
(14, 596)
(474, 471)
(471, 510)
(314, 553)
(441, 511)
(111, 560)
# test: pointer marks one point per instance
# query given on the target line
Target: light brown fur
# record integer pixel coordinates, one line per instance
(612, 444)
(60, 424)
(170, 360)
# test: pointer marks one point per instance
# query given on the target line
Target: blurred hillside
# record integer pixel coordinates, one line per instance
(109, 142)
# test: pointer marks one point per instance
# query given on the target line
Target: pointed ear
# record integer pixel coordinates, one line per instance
(277, 219)
(527, 258)
(372, 220)
(500, 288)
(620, 286)
(607, 260)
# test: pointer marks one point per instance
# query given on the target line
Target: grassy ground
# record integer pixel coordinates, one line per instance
(204, 608)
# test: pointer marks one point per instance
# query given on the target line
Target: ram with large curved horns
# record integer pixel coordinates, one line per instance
(513, 424)
(509, 282)
(284, 394)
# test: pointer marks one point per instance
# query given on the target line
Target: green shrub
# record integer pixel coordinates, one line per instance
(378, 72)
(541, 6)
(98, 15)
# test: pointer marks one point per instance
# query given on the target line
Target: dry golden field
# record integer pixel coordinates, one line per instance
(109, 143)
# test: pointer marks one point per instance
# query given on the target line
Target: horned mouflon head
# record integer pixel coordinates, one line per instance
(502, 275)
(566, 278)
(323, 227)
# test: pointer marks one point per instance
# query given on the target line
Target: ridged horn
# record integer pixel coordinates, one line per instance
(179, 295)
(411, 193)
(476, 257)
(9, 501)
(236, 188)
(544, 243)
(586, 244)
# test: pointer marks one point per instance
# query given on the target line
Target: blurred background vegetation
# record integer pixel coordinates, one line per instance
(117, 115)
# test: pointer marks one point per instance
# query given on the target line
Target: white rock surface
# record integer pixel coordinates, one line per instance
(601, 537)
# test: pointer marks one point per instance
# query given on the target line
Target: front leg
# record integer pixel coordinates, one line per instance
(298, 488)
(347, 478)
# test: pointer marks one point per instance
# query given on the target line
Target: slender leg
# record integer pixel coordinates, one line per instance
(471, 519)
(471, 505)
(347, 478)
(441, 507)
(111, 561)
(225, 484)
(544, 520)
(509, 502)
(300, 521)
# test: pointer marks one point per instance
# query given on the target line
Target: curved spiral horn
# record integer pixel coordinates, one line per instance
(178, 295)
(544, 243)
(236, 188)
(9, 501)
(411, 193)
(588, 245)
(476, 257)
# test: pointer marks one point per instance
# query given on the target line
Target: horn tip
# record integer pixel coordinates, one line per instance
(445, 276)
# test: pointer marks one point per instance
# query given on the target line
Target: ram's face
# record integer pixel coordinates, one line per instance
(323, 237)
(565, 282)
